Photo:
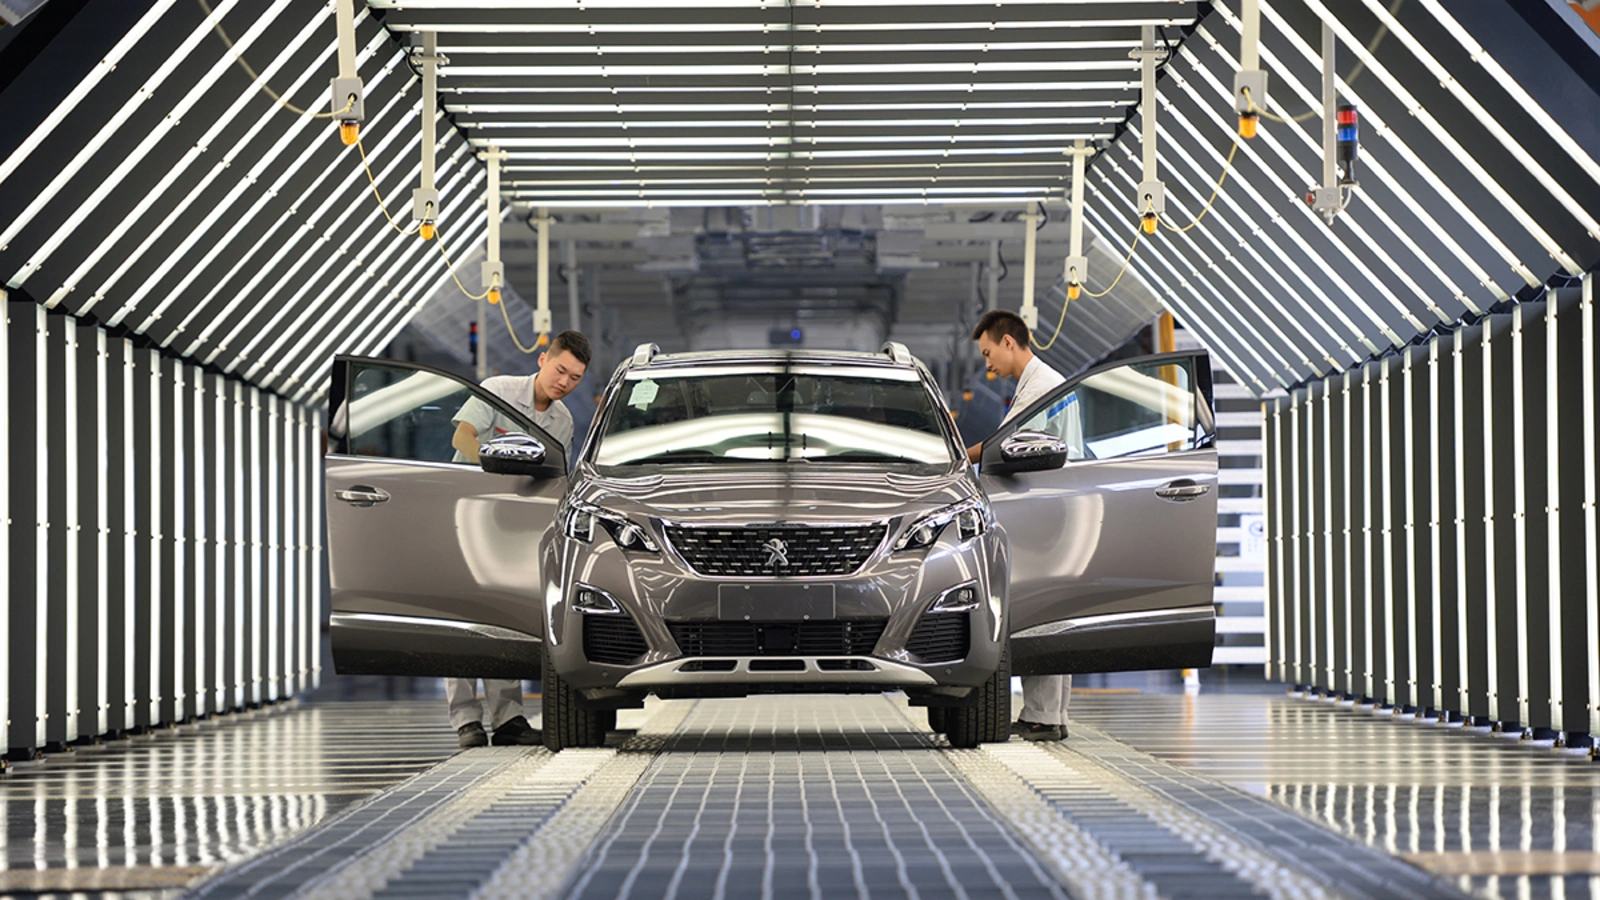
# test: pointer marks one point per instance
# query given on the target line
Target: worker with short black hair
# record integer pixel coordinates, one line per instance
(1007, 349)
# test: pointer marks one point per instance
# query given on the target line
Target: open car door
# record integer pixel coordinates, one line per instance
(434, 561)
(1106, 489)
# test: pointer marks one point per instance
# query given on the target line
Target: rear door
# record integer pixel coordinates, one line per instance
(1113, 553)
(434, 563)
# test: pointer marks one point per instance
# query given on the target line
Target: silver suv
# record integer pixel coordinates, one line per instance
(775, 522)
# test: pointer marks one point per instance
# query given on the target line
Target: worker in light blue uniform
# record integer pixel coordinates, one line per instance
(1007, 350)
(538, 397)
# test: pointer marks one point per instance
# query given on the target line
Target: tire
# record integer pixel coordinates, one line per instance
(566, 724)
(936, 718)
(988, 721)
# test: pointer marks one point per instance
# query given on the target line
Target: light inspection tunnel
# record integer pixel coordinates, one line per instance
(799, 448)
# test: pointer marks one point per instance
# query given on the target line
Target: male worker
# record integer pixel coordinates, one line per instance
(1003, 338)
(538, 397)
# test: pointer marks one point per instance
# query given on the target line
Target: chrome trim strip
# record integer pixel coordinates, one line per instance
(1120, 620)
(667, 674)
(442, 627)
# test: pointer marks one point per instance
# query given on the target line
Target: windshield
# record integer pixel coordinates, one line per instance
(813, 415)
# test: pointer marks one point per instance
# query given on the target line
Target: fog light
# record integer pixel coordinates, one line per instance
(961, 599)
(595, 602)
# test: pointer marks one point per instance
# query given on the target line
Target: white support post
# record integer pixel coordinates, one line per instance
(993, 300)
(1030, 252)
(494, 271)
(346, 95)
(1250, 82)
(1150, 197)
(541, 310)
(1077, 265)
(1326, 199)
(425, 199)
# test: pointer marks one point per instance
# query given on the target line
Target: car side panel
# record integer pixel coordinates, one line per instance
(441, 578)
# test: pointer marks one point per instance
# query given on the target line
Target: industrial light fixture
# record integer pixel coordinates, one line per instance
(425, 199)
(347, 105)
(1250, 82)
(1151, 196)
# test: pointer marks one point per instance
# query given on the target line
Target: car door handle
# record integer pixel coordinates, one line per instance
(1182, 491)
(362, 495)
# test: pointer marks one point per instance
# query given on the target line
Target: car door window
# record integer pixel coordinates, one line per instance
(1138, 409)
(403, 412)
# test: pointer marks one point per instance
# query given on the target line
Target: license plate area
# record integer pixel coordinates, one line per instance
(775, 602)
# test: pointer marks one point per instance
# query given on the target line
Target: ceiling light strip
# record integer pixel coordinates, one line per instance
(270, 236)
(105, 66)
(1507, 202)
(301, 329)
(357, 318)
(1270, 140)
(110, 127)
(1490, 123)
(201, 232)
(138, 216)
(1375, 167)
(1296, 371)
(131, 159)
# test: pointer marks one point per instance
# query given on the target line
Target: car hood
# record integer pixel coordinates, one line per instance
(771, 494)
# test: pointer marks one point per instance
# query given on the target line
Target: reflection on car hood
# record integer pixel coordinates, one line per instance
(787, 493)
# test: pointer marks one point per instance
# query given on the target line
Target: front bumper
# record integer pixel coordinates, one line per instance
(665, 599)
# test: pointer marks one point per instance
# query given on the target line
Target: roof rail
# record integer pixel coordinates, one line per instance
(643, 353)
(897, 352)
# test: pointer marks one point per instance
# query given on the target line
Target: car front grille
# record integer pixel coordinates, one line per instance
(612, 639)
(941, 637)
(841, 637)
(751, 551)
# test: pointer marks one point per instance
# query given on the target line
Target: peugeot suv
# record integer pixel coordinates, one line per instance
(775, 522)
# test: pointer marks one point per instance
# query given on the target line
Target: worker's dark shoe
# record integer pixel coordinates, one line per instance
(471, 735)
(1035, 731)
(517, 731)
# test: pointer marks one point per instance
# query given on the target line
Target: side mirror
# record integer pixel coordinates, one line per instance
(1032, 451)
(516, 454)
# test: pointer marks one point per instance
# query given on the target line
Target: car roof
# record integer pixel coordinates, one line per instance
(747, 357)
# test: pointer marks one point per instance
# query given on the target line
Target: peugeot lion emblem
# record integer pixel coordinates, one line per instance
(777, 552)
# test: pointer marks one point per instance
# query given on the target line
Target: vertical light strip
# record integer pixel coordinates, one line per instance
(5, 509)
(1390, 689)
(1314, 449)
(1435, 528)
(1368, 521)
(1328, 450)
(1552, 467)
(1590, 523)
(302, 513)
(1347, 386)
(42, 432)
(1296, 488)
(257, 600)
(241, 437)
(180, 528)
(202, 545)
(1490, 592)
(1463, 696)
(70, 530)
(158, 455)
(285, 538)
(223, 499)
(317, 567)
(130, 556)
(102, 711)
(1413, 688)
(1519, 409)
(270, 547)
(1272, 428)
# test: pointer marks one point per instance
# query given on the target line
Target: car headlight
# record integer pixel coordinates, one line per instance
(579, 519)
(970, 517)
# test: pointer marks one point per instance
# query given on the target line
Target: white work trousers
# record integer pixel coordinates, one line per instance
(505, 701)
(1045, 699)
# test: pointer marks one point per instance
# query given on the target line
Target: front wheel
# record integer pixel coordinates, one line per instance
(988, 721)
(566, 723)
